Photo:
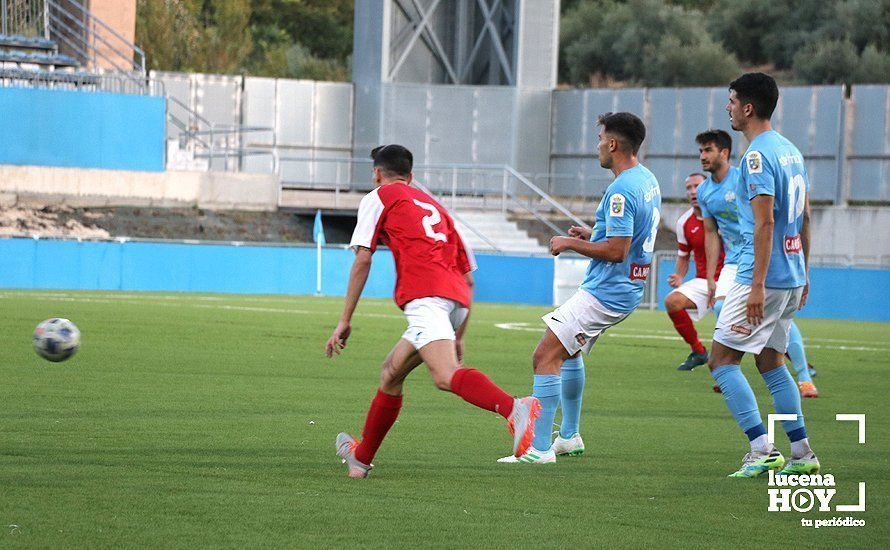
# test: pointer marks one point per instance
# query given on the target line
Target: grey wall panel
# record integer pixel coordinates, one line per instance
(492, 120)
(405, 118)
(295, 113)
(259, 101)
(569, 119)
(178, 86)
(218, 98)
(333, 115)
(662, 125)
(532, 140)
(870, 144)
(450, 123)
(870, 180)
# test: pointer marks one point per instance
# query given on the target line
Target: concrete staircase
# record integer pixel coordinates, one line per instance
(503, 233)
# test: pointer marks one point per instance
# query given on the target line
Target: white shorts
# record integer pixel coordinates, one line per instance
(580, 321)
(431, 319)
(697, 292)
(726, 280)
(779, 307)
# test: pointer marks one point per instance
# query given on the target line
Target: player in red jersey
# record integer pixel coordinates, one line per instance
(434, 289)
(689, 301)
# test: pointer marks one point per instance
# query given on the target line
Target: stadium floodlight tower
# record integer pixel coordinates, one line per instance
(456, 81)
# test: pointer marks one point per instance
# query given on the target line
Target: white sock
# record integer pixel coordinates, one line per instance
(800, 448)
(760, 444)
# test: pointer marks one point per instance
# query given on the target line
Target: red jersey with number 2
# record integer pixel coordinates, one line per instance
(691, 238)
(431, 257)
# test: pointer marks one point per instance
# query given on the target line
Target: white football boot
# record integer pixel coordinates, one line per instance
(531, 456)
(572, 446)
(345, 445)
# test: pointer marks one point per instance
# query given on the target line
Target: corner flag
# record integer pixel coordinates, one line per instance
(318, 229)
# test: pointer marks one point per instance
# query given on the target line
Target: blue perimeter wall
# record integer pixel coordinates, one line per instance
(835, 292)
(52, 264)
(840, 293)
(82, 129)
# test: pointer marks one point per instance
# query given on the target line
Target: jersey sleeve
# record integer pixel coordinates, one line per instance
(702, 204)
(682, 242)
(370, 219)
(620, 214)
(758, 175)
(465, 257)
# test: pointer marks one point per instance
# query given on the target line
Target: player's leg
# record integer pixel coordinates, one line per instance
(572, 378)
(677, 304)
(733, 337)
(786, 398)
(476, 388)
(384, 410)
(798, 357)
(724, 283)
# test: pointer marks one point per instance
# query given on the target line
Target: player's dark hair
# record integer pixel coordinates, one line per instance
(758, 89)
(719, 138)
(394, 160)
(627, 127)
(697, 174)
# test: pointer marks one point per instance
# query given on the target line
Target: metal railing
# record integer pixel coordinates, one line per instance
(61, 80)
(76, 32)
(472, 186)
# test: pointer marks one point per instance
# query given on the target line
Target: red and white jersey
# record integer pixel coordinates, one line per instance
(431, 257)
(691, 238)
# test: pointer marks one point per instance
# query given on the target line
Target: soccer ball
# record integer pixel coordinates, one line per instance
(56, 339)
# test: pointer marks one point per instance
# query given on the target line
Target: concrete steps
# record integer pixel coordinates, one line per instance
(503, 233)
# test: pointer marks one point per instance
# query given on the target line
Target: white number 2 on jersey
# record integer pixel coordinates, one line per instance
(797, 194)
(649, 243)
(430, 220)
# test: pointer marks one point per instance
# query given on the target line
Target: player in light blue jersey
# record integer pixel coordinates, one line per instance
(620, 250)
(771, 283)
(718, 201)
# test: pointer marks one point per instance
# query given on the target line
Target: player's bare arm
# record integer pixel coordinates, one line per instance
(358, 276)
(613, 249)
(805, 245)
(712, 252)
(762, 205)
(675, 279)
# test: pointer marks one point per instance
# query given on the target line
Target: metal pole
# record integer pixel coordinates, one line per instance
(453, 185)
(504, 194)
(4, 15)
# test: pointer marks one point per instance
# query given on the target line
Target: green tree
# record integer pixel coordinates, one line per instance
(641, 41)
(829, 62)
(873, 67)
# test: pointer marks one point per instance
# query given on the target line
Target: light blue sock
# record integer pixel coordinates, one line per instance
(718, 307)
(798, 355)
(740, 399)
(546, 389)
(786, 400)
(570, 398)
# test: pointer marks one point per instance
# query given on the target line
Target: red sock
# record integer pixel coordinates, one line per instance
(382, 415)
(683, 324)
(478, 389)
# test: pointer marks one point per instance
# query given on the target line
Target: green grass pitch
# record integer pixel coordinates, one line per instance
(208, 421)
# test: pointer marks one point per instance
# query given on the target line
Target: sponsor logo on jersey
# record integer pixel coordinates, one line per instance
(694, 229)
(741, 329)
(755, 162)
(729, 196)
(616, 205)
(581, 338)
(793, 245)
(639, 272)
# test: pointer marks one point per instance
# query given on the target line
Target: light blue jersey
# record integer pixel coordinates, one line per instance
(719, 201)
(629, 208)
(774, 166)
